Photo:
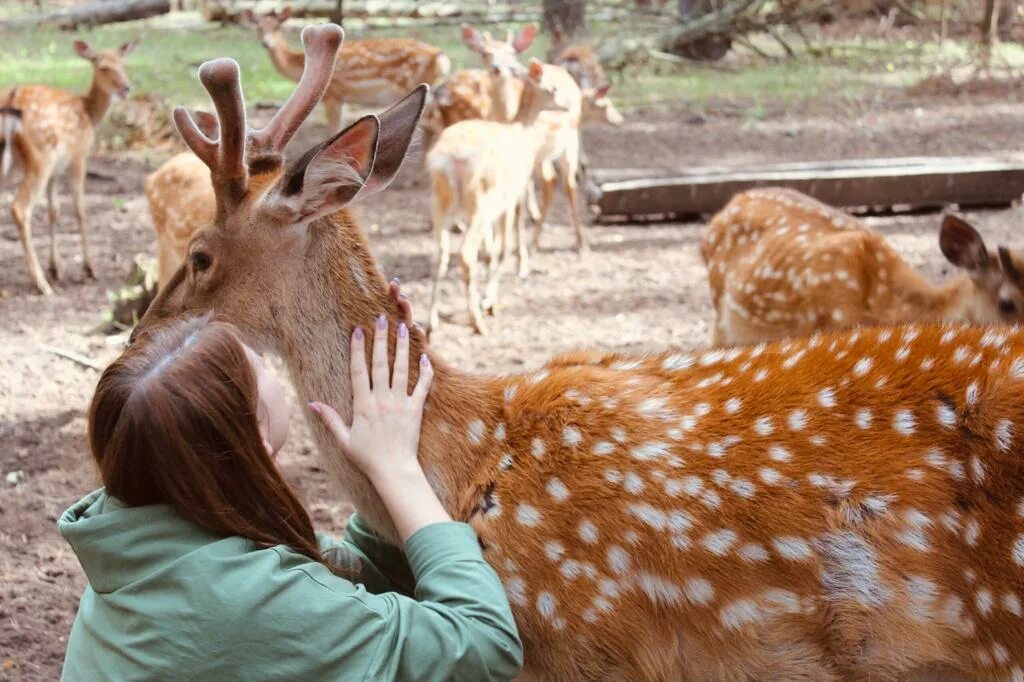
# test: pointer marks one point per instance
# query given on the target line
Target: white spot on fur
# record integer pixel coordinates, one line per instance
(863, 419)
(1018, 550)
(633, 483)
(779, 453)
(658, 589)
(699, 591)
(515, 588)
(677, 362)
(618, 559)
(650, 450)
(790, 547)
(763, 426)
(946, 415)
(862, 367)
(537, 448)
(739, 613)
(1004, 434)
(588, 532)
(719, 542)
(732, 405)
(827, 398)
(983, 601)
(797, 420)
(475, 431)
(554, 550)
(546, 604)
(527, 515)
(571, 436)
(603, 448)
(904, 423)
(557, 490)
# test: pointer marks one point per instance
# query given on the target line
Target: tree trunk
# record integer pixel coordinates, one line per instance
(338, 15)
(568, 17)
(94, 14)
(990, 23)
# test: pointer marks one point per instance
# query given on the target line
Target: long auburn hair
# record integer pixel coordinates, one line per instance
(174, 421)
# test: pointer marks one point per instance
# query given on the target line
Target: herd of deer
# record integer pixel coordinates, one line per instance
(839, 501)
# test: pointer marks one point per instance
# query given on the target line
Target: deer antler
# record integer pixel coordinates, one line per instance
(226, 156)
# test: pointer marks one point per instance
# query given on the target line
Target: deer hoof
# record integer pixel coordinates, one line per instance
(89, 272)
(44, 288)
(54, 271)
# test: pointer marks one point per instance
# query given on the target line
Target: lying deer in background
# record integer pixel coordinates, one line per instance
(44, 130)
(782, 264)
(371, 72)
(845, 506)
(479, 174)
(181, 202)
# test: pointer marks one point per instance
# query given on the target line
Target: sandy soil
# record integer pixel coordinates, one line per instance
(642, 288)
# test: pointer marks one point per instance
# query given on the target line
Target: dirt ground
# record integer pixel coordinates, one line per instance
(642, 288)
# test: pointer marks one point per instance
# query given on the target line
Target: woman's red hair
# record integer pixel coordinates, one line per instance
(174, 422)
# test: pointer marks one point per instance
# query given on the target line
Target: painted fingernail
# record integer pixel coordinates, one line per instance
(314, 408)
(382, 321)
(424, 360)
(359, 334)
(403, 331)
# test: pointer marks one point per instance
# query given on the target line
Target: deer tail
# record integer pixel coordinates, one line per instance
(10, 126)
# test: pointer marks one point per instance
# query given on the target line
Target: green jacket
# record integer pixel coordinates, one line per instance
(169, 600)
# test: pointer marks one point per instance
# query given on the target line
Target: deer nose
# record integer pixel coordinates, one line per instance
(1007, 307)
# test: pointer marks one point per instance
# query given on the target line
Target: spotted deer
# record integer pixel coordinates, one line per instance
(783, 264)
(479, 174)
(371, 72)
(844, 506)
(181, 202)
(45, 130)
(560, 151)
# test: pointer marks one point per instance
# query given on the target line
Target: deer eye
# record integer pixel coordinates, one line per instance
(1007, 307)
(200, 260)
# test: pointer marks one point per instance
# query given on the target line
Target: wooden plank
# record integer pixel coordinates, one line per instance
(918, 182)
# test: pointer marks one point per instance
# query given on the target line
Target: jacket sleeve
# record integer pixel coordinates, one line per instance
(458, 627)
(378, 565)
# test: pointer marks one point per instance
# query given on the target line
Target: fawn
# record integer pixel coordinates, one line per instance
(479, 172)
(44, 130)
(181, 202)
(560, 150)
(844, 506)
(371, 72)
(783, 264)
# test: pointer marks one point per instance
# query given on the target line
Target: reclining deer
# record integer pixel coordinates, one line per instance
(782, 264)
(848, 506)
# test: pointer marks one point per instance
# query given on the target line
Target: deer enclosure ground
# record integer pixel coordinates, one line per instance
(642, 288)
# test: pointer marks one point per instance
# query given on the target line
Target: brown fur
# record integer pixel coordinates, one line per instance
(867, 549)
(781, 264)
(56, 131)
(370, 72)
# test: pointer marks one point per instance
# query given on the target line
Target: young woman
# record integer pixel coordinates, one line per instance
(203, 564)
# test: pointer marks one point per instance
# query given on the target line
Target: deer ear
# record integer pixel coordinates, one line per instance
(525, 38)
(126, 48)
(962, 245)
(601, 91)
(330, 175)
(471, 37)
(285, 13)
(207, 123)
(397, 127)
(83, 50)
(247, 18)
(536, 69)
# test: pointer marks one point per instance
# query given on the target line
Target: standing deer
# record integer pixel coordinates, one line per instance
(844, 506)
(181, 202)
(782, 264)
(44, 130)
(560, 151)
(479, 174)
(371, 72)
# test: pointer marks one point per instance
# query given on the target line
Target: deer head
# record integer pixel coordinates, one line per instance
(598, 107)
(108, 66)
(500, 56)
(268, 25)
(280, 230)
(998, 294)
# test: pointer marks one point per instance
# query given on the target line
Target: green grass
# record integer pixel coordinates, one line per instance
(173, 46)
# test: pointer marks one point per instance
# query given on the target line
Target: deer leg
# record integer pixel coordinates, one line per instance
(54, 216)
(548, 179)
(469, 260)
(444, 247)
(332, 107)
(531, 201)
(78, 198)
(496, 261)
(21, 212)
(523, 254)
(569, 165)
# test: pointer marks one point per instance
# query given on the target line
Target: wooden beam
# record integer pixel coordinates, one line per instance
(868, 184)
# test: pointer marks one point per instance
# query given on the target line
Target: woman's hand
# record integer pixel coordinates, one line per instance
(384, 436)
(383, 439)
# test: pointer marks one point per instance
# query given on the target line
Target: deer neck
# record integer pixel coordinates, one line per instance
(287, 61)
(314, 344)
(96, 102)
(956, 300)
